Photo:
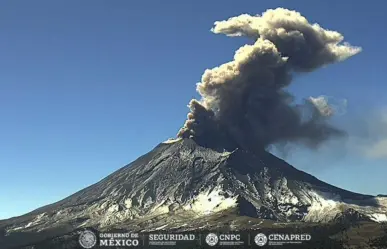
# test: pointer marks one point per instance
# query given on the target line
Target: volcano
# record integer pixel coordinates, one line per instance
(182, 185)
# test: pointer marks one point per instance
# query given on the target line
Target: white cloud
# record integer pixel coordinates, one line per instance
(373, 142)
(377, 150)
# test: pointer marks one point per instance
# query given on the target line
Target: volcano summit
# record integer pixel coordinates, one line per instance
(217, 173)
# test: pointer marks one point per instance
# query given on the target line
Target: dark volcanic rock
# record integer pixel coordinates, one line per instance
(351, 216)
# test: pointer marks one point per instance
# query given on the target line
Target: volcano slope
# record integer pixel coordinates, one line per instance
(181, 186)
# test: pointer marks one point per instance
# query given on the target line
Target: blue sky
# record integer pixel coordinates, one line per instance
(88, 86)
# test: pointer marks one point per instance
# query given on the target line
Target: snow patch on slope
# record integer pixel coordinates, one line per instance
(161, 227)
(37, 220)
(324, 206)
(171, 140)
(211, 201)
(379, 217)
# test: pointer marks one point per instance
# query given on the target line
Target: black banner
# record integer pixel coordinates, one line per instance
(216, 239)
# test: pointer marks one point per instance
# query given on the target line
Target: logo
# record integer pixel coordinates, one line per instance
(87, 239)
(212, 239)
(260, 239)
(162, 239)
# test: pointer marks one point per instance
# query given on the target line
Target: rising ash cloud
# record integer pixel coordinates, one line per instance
(246, 99)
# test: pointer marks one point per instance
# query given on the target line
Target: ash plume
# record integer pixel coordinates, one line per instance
(246, 99)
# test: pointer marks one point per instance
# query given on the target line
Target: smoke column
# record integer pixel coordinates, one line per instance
(246, 99)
